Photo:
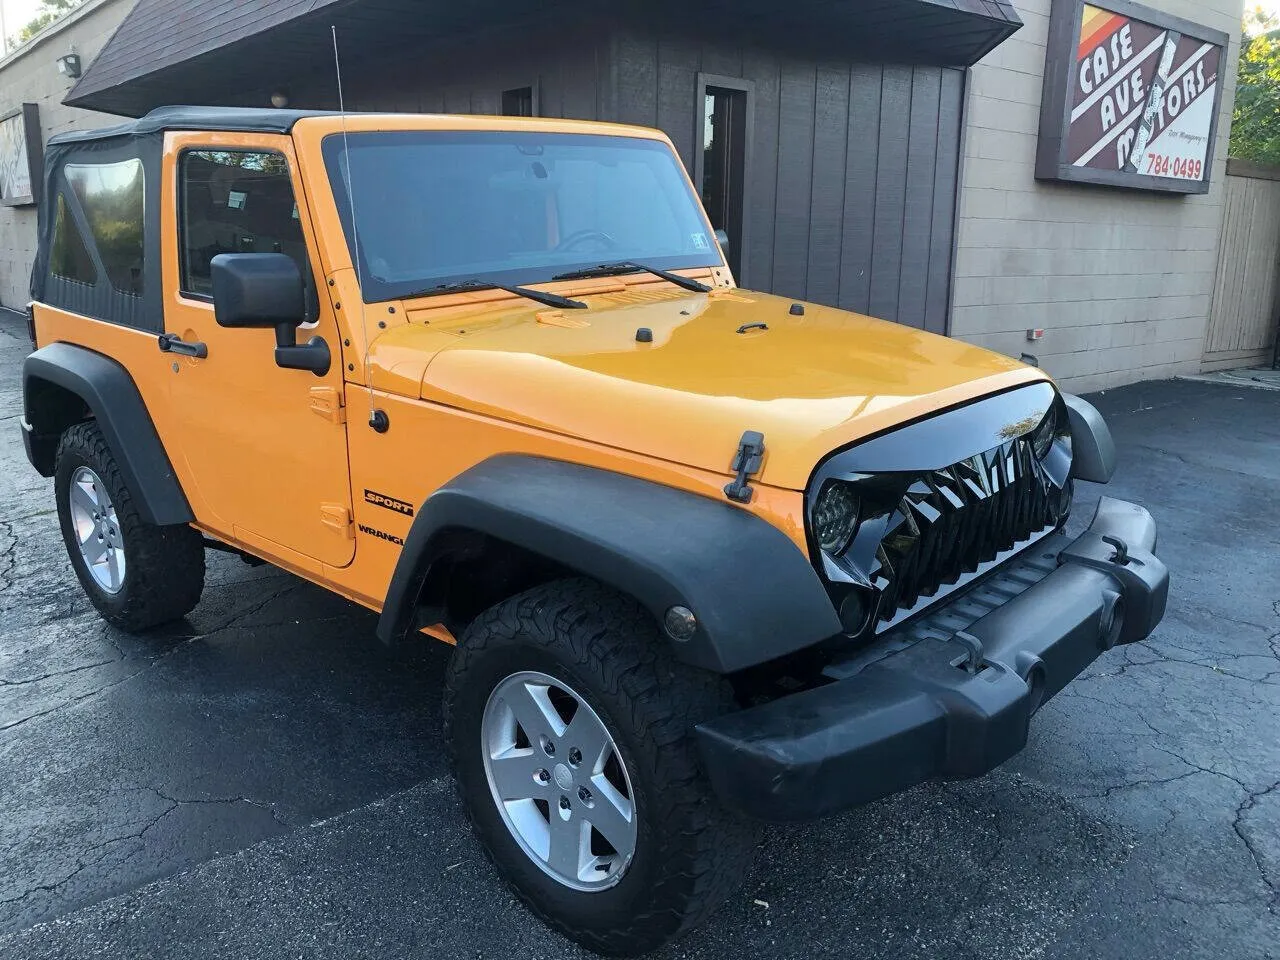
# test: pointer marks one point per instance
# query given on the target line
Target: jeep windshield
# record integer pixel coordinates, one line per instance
(435, 209)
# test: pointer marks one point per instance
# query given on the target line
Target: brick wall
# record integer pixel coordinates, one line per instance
(1120, 280)
(30, 75)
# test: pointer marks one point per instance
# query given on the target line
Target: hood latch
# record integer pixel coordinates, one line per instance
(745, 463)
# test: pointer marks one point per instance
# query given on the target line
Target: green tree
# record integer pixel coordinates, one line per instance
(50, 10)
(1255, 121)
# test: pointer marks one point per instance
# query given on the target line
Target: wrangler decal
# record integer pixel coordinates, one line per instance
(381, 535)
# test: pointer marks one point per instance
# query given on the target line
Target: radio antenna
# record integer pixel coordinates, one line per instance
(377, 418)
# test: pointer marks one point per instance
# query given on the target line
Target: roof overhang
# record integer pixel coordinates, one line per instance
(195, 51)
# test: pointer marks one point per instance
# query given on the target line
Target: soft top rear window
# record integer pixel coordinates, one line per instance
(111, 196)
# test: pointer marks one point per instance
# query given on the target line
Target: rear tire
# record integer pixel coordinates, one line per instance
(584, 641)
(136, 574)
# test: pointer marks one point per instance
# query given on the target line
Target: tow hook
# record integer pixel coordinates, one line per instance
(1121, 556)
(745, 462)
(971, 662)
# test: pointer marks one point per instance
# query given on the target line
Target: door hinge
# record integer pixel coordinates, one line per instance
(327, 402)
(337, 516)
(745, 463)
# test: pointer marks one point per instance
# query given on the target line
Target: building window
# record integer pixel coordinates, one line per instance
(110, 195)
(518, 102)
(235, 202)
(69, 258)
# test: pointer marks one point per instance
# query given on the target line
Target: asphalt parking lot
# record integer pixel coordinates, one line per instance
(264, 781)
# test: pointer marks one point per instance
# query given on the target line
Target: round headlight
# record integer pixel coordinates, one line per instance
(1042, 439)
(835, 517)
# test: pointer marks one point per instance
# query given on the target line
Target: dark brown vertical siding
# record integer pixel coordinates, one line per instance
(863, 158)
(432, 100)
(795, 179)
(568, 74)
(489, 101)
(826, 206)
(853, 167)
(396, 88)
(891, 192)
(761, 200)
(725, 61)
(945, 193)
(457, 99)
(637, 73)
(552, 89)
(917, 217)
(572, 90)
(678, 64)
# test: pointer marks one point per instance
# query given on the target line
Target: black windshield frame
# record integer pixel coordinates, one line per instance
(375, 289)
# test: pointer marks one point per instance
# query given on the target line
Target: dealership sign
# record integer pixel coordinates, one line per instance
(1131, 98)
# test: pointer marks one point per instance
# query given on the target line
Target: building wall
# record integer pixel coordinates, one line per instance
(1120, 280)
(30, 75)
(852, 166)
(851, 199)
(568, 64)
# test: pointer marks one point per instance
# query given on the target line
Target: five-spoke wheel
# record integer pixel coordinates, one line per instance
(137, 574)
(97, 529)
(572, 733)
(559, 781)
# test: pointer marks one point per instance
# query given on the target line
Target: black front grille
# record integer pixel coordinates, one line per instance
(949, 522)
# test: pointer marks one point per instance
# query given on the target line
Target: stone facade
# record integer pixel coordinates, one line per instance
(1121, 281)
(30, 75)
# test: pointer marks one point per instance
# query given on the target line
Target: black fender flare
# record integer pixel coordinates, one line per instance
(754, 593)
(1093, 451)
(112, 397)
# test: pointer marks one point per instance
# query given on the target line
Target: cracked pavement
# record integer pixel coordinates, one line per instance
(263, 780)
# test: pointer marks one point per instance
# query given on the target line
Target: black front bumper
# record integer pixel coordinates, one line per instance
(950, 694)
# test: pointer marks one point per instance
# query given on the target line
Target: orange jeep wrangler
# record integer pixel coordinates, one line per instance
(707, 556)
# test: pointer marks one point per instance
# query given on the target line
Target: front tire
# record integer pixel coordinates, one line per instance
(651, 853)
(136, 574)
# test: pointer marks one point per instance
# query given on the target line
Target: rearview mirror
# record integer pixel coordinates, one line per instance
(265, 290)
(257, 290)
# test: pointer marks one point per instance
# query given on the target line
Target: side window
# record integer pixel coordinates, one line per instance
(235, 202)
(111, 196)
(69, 259)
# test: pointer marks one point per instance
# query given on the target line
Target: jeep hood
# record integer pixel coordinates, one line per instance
(717, 365)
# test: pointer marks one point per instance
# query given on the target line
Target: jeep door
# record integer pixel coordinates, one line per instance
(266, 446)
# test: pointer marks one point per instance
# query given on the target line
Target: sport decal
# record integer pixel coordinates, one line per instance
(390, 503)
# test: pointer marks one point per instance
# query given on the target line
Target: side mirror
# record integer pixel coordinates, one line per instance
(265, 290)
(256, 290)
(722, 238)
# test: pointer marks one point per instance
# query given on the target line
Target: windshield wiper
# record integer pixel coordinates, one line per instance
(614, 269)
(541, 296)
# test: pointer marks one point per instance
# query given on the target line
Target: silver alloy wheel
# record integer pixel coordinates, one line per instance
(559, 781)
(93, 518)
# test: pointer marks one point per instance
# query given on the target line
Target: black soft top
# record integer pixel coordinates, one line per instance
(238, 119)
(140, 306)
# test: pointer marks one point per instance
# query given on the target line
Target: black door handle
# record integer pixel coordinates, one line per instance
(172, 343)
